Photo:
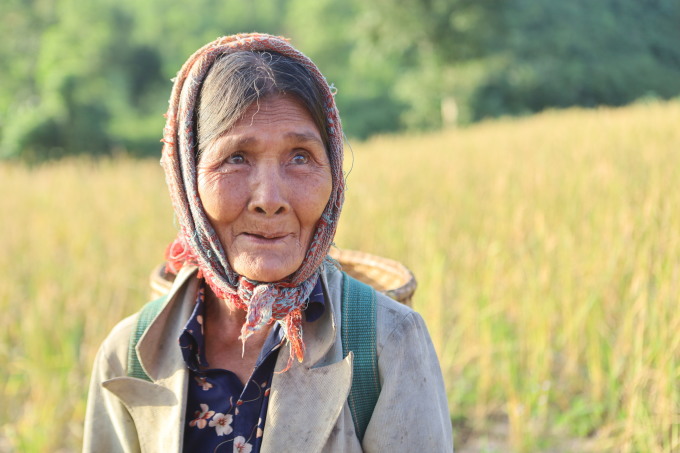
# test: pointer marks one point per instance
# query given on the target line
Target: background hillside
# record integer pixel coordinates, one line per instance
(93, 77)
(546, 249)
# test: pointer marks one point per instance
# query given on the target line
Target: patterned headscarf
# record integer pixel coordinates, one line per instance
(197, 243)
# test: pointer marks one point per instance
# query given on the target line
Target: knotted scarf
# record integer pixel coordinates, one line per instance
(197, 243)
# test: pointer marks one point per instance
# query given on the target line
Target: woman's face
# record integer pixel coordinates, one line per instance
(264, 185)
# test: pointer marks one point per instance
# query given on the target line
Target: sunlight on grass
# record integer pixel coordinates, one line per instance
(546, 250)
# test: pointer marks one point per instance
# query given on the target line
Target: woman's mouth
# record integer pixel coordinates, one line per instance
(263, 236)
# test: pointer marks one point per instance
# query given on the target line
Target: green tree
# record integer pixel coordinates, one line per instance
(94, 77)
(558, 54)
(328, 32)
(514, 57)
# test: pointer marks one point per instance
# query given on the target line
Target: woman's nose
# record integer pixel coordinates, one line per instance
(269, 193)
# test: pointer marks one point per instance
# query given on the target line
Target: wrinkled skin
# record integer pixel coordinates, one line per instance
(264, 185)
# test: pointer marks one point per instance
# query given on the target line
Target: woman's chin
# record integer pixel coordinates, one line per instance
(266, 270)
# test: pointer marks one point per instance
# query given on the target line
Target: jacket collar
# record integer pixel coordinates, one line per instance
(158, 407)
(157, 348)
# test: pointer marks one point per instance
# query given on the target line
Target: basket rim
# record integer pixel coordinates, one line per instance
(161, 281)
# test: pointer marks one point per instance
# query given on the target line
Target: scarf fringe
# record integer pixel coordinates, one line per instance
(263, 303)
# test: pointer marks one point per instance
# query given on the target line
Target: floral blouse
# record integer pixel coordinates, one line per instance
(223, 415)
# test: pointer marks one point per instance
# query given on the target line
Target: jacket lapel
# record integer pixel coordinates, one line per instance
(304, 405)
(306, 400)
(157, 412)
(160, 405)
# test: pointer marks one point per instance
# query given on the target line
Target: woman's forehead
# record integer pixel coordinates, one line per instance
(283, 114)
(275, 109)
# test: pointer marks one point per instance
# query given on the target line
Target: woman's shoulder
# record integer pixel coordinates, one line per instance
(386, 306)
(393, 318)
(121, 332)
(160, 312)
(113, 351)
(398, 324)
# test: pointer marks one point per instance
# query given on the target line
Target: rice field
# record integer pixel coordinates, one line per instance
(547, 251)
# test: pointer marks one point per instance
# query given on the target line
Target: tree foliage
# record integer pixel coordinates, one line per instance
(93, 77)
(512, 57)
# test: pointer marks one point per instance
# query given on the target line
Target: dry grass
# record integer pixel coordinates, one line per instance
(547, 251)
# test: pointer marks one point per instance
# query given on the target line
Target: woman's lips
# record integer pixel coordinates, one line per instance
(264, 237)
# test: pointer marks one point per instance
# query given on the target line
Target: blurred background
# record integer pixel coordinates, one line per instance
(520, 156)
(94, 78)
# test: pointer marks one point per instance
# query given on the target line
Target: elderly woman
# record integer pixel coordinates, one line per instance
(248, 351)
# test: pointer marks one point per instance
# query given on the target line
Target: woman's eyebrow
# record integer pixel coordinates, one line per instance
(231, 142)
(304, 137)
(298, 137)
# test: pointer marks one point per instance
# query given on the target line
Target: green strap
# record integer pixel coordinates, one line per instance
(146, 315)
(359, 336)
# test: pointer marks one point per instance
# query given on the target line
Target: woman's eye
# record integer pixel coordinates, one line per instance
(236, 158)
(300, 158)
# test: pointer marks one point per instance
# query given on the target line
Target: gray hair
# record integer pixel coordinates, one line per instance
(237, 80)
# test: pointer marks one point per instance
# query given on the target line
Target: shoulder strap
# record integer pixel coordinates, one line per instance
(146, 315)
(359, 336)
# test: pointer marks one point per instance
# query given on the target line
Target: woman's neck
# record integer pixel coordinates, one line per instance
(225, 320)
(223, 347)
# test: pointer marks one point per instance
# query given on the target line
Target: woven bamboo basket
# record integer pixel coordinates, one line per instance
(385, 275)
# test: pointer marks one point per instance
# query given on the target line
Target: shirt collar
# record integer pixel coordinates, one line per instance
(192, 342)
(316, 304)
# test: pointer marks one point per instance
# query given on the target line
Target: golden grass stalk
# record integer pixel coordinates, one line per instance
(547, 251)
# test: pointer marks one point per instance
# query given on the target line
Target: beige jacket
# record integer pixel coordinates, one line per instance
(308, 409)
